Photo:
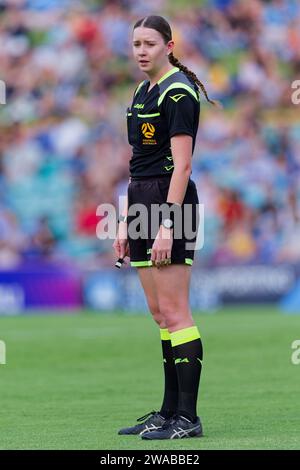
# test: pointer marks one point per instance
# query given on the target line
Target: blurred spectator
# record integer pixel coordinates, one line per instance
(12, 240)
(232, 210)
(42, 241)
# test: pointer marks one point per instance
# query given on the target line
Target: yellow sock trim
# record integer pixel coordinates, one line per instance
(184, 336)
(164, 334)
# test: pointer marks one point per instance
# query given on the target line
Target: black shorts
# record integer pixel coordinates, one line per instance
(154, 191)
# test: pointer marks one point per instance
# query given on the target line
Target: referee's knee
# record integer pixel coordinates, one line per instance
(157, 316)
(177, 318)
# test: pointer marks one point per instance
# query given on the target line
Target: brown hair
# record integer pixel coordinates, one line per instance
(162, 26)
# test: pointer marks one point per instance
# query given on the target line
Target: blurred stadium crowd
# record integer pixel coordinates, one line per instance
(70, 75)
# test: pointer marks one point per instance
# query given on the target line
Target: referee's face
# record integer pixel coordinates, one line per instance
(149, 49)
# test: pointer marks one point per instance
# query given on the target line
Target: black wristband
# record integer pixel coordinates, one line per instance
(170, 204)
(172, 213)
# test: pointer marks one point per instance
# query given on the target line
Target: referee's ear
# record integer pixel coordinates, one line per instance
(170, 47)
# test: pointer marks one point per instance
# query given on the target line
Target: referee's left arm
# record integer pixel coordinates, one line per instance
(180, 109)
(181, 146)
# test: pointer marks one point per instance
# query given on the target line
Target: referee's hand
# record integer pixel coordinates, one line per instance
(162, 247)
(121, 245)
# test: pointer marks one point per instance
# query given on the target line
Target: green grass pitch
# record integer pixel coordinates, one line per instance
(71, 381)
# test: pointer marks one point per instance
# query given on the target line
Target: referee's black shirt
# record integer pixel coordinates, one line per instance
(171, 107)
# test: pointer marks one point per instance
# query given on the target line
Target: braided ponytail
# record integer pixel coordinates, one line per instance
(174, 61)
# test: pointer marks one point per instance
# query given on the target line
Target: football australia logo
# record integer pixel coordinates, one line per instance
(148, 131)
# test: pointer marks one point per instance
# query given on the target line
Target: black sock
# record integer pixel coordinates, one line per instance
(170, 401)
(188, 354)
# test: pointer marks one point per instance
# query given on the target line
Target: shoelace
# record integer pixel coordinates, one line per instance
(143, 418)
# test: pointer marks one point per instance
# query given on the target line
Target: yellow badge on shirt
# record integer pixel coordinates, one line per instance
(177, 97)
(148, 130)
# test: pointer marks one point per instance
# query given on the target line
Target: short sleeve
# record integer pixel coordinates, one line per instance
(180, 109)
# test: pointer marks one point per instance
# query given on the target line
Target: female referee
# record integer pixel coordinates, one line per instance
(162, 126)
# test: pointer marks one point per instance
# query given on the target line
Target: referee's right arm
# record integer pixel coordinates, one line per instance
(121, 245)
